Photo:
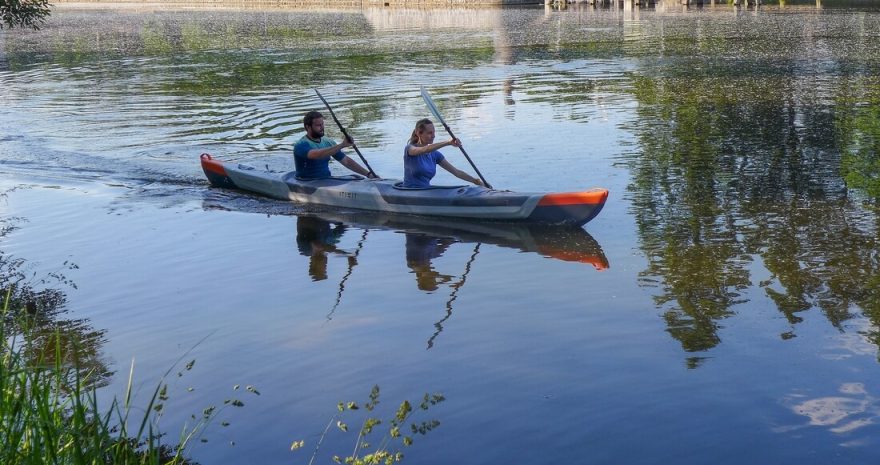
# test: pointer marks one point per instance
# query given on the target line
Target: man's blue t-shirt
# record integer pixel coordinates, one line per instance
(418, 170)
(313, 169)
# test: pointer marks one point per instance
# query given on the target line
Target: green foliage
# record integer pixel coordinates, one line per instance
(858, 121)
(194, 37)
(49, 409)
(23, 13)
(388, 447)
(157, 40)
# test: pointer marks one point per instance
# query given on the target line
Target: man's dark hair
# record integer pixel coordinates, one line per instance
(311, 116)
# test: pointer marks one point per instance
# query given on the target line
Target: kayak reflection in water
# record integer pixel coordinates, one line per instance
(316, 238)
(420, 250)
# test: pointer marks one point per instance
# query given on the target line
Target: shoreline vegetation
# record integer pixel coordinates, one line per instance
(407, 4)
(293, 4)
(672, 6)
(50, 410)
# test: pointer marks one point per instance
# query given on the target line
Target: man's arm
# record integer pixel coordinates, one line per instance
(349, 163)
(327, 152)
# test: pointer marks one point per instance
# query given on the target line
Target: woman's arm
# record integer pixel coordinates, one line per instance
(459, 173)
(416, 150)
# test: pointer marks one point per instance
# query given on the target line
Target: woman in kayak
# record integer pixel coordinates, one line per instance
(421, 158)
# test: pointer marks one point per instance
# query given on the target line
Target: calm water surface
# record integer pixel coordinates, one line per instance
(723, 308)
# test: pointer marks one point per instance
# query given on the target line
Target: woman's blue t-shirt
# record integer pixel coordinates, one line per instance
(418, 170)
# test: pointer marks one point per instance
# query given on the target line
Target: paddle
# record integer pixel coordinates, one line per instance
(454, 295)
(345, 133)
(352, 260)
(436, 113)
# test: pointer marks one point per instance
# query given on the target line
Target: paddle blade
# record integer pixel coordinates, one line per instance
(327, 105)
(432, 106)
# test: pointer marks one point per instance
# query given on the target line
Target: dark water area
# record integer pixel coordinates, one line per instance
(723, 307)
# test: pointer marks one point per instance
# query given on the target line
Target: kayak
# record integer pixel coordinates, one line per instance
(388, 196)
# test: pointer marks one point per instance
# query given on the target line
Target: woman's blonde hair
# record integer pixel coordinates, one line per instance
(420, 126)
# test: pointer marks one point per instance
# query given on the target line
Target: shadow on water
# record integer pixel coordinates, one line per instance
(427, 239)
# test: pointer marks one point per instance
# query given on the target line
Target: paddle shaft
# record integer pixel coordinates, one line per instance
(431, 106)
(485, 183)
(454, 295)
(351, 264)
(345, 133)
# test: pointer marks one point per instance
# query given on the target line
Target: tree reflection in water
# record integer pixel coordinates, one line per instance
(33, 302)
(732, 177)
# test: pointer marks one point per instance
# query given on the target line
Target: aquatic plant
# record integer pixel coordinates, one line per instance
(50, 413)
(388, 449)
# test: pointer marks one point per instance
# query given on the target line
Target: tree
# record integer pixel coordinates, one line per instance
(23, 13)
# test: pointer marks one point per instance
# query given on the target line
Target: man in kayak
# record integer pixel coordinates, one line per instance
(311, 154)
(421, 157)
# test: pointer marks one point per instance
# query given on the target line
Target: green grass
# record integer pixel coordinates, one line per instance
(49, 412)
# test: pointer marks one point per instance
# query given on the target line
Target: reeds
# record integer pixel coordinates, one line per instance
(49, 412)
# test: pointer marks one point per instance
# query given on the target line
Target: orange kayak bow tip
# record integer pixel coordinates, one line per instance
(590, 197)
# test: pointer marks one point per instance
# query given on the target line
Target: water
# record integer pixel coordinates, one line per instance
(722, 307)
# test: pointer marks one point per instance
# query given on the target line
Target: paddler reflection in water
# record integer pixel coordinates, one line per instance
(420, 250)
(311, 154)
(315, 238)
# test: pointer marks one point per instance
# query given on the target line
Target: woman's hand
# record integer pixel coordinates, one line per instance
(454, 142)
